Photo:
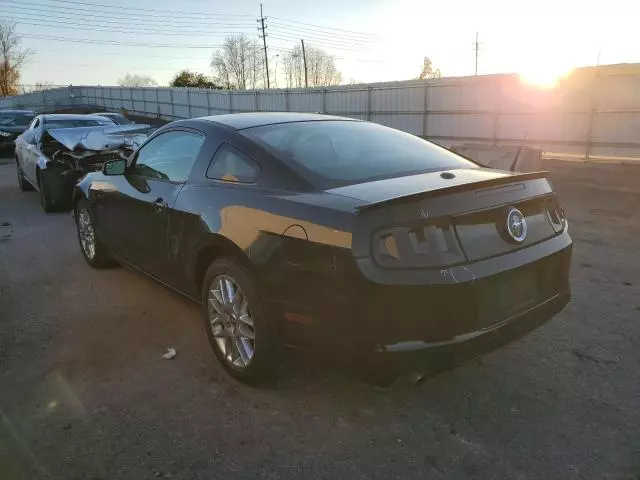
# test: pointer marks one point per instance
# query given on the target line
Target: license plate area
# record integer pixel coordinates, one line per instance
(506, 295)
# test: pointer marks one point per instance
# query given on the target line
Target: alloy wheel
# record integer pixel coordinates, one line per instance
(231, 322)
(86, 233)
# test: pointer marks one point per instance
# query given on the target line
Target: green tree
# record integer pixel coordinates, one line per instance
(185, 78)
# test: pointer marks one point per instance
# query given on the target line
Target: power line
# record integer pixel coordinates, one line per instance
(128, 8)
(332, 35)
(323, 44)
(110, 42)
(137, 31)
(326, 28)
(330, 41)
(116, 19)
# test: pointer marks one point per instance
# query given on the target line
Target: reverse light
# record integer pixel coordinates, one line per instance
(420, 246)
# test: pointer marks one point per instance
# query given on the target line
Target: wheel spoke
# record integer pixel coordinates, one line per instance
(246, 332)
(231, 291)
(214, 302)
(243, 355)
(224, 295)
(246, 319)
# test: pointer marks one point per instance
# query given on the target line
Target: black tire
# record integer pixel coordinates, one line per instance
(100, 257)
(23, 183)
(46, 202)
(266, 361)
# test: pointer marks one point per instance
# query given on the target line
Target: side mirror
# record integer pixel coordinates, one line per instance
(115, 167)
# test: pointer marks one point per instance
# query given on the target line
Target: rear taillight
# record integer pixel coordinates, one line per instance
(556, 214)
(432, 245)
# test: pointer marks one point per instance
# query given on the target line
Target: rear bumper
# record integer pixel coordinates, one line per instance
(440, 356)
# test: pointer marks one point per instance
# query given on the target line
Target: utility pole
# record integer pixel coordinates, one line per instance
(304, 59)
(264, 42)
(476, 46)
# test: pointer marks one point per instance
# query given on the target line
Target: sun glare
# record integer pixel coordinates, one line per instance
(543, 78)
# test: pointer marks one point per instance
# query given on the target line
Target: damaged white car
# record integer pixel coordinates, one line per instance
(58, 150)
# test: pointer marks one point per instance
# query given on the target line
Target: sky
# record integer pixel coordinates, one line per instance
(96, 42)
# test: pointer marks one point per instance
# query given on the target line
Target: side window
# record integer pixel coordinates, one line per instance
(232, 165)
(169, 156)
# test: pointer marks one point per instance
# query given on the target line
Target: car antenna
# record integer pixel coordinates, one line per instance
(515, 160)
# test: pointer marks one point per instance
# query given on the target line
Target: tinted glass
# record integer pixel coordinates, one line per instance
(169, 156)
(336, 153)
(116, 117)
(15, 119)
(51, 124)
(233, 166)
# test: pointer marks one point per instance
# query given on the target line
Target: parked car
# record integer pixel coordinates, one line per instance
(57, 150)
(117, 118)
(331, 234)
(12, 124)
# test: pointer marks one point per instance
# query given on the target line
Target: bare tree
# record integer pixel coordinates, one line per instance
(239, 64)
(428, 71)
(321, 68)
(12, 58)
(137, 81)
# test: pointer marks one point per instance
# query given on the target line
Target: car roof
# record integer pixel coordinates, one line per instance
(9, 110)
(71, 116)
(106, 114)
(239, 121)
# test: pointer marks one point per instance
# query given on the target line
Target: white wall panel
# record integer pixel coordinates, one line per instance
(410, 123)
(180, 96)
(340, 102)
(397, 99)
(460, 125)
(305, 102)
(273, 102)
(244, 102)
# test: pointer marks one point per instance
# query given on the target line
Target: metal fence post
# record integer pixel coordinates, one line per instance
(209, 102)
(257, 102)
(157, 103)
(173, 112)
(188, 102)
(425, 131)
(324, 100)
(369, 89)
(287, 94)
(230, 102)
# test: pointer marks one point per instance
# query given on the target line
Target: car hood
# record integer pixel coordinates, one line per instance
(98, 138)
(13, 128)
(383, 191)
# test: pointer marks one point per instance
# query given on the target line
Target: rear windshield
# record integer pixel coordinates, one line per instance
(15, 119)
(51, 124)
(336, 153)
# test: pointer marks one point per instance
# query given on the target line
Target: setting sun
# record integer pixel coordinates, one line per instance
(544, 76)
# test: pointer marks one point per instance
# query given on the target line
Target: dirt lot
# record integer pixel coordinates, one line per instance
(84, 393)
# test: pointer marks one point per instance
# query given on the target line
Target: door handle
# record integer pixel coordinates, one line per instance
(159, 205)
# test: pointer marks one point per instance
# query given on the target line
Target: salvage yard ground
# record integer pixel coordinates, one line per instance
(85, 394)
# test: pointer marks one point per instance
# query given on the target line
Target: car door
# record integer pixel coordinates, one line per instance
(28, 151)
(133, 213)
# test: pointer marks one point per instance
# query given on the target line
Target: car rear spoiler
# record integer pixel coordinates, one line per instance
(480, 184)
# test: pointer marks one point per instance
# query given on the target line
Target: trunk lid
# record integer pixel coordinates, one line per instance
(439, 219)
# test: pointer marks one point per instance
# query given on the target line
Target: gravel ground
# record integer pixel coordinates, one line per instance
(84, 393)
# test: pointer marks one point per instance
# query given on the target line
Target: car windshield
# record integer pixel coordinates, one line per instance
(116, 117)
(337, 153)
(53, 124)
(15, 119)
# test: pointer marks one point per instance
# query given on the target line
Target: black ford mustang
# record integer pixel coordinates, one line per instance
(334, 234)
